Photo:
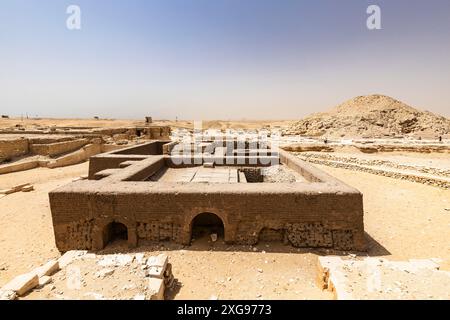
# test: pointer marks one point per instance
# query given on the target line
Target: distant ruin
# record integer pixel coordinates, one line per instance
(146, 193)
(23, 148)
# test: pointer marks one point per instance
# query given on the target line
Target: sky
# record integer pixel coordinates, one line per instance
(219, 59)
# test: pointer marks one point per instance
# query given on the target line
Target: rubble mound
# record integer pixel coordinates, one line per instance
(372, 116)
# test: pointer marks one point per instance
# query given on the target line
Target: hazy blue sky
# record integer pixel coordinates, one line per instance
(227, 59)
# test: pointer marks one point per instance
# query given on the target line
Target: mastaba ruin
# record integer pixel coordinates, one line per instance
(152, 192)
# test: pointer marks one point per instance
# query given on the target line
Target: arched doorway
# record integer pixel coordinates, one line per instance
(207, 224)
(115, 231)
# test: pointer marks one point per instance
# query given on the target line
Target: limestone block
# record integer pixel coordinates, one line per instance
(22, 284)
(208, 165)
(155, 289)
(27, 188)
(379, 278)
(158, 261)
(69, 256)
(7, 295)
(14, 189)
(118, 260)
(140, 258)
(44, 280)
(155, 272)
(47, 269)
(156, 266)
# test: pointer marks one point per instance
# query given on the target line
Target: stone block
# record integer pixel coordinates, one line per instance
(158, 261)
(69, 256)
(7, 295)
(27, 188)
(47, 269)
(44, 280)
(155, 272)
(155, 289)
(22, 284)
(208, 165)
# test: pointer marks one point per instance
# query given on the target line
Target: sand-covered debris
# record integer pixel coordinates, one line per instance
(371, 116)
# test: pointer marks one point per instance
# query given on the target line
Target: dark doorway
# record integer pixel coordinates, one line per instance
(115, 231)
(206, 224)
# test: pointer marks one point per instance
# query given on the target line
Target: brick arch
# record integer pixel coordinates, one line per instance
(100, 226)
(222, 215)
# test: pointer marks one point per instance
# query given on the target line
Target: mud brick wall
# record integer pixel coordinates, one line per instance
(325, 214)
(331, 220)
(13, 148)
(268, 234)
(100, 163)
(145, 171)
(157, 132)
(152, 148)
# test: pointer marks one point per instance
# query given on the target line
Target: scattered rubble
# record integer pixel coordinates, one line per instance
(26, 187)
(22, 284)
(74, 280)
(116, 260)
(376, 278)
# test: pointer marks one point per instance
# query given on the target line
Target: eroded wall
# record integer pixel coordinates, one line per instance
(330, 220)
(11, 148)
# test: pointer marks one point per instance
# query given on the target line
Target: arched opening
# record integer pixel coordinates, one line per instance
(115, 231)
(207, 225)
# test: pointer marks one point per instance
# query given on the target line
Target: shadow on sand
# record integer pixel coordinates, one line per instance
(374, 248)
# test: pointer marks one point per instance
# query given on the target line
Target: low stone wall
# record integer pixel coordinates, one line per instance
(76, 157)
(13, 148)
(21, 166)
(428, 180)
(369, 148)
(70, 159)
(369, 278)
(55, 149)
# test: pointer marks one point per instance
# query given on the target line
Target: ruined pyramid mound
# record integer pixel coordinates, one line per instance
(372, 116)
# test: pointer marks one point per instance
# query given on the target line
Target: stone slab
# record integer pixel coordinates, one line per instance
(381, 279)
(22, 284)
(47, 269)
(155, 289)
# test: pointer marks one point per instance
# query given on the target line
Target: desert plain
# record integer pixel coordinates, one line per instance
(396, 156)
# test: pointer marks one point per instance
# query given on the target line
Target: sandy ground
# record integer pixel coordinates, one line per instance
(26, 237)
(402, 219)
